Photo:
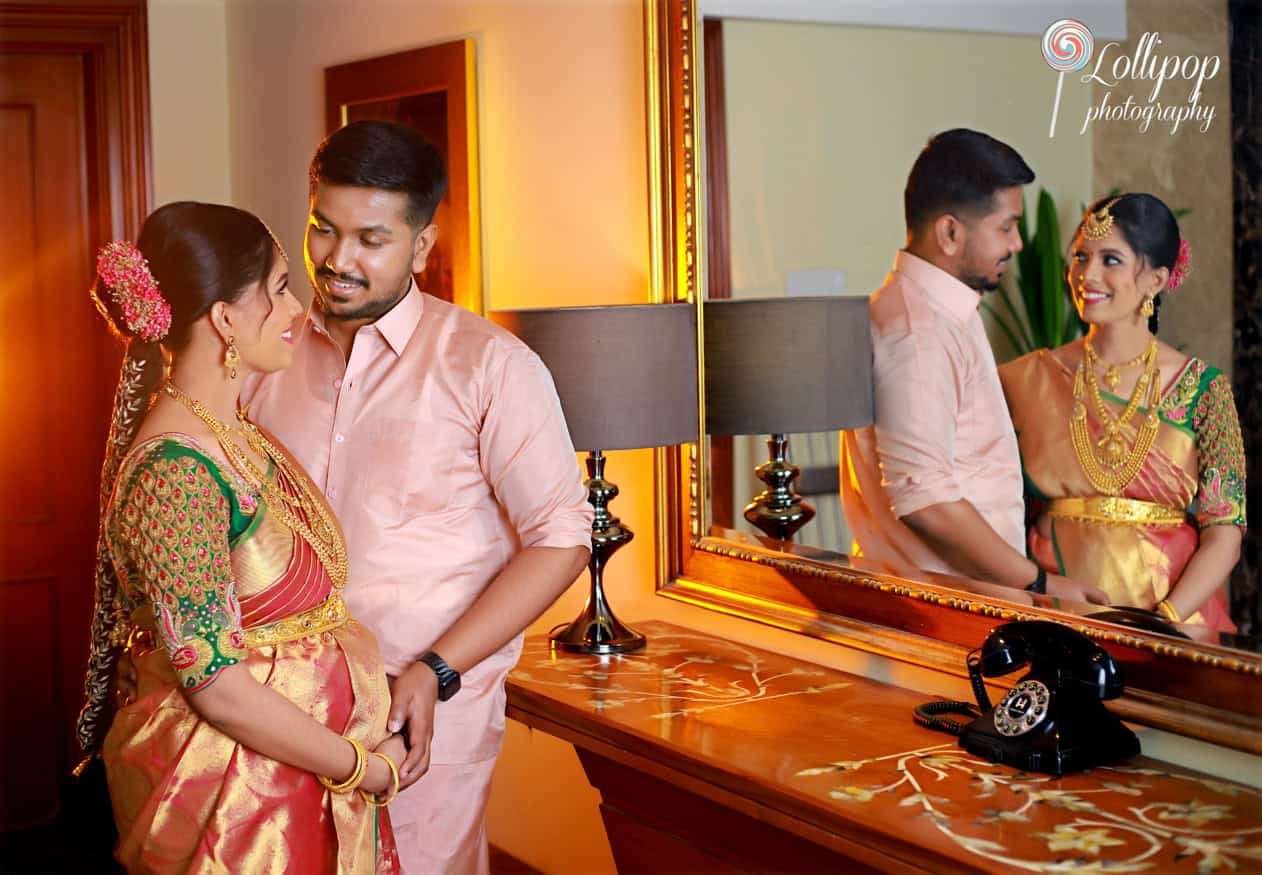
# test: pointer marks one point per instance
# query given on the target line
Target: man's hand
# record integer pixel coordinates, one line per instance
(126, 679)
(1072, 591)
(413, 696)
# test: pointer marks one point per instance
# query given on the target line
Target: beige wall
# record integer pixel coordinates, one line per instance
(825, 121)
(188, 70)
(1190, 169)
(821, 136)
(561, 108)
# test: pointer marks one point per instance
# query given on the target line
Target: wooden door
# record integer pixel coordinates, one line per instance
(63, 184)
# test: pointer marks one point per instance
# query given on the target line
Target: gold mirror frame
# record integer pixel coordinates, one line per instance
(1198, 690)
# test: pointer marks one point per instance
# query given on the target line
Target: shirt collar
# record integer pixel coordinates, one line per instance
(944, 290)
(395, 327)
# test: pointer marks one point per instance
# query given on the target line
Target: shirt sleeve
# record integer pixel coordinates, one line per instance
(528, 459)
(1220, 499)
(917, 405)
(173, 524)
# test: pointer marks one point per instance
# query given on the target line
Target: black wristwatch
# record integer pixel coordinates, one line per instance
(448, 677)
(1039, 584)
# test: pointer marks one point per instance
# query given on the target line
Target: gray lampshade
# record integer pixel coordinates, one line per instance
(626, 375)
(786, 365)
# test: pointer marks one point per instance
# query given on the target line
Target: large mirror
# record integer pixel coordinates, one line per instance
(782, 135)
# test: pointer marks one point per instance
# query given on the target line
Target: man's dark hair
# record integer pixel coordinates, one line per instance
(960, 172)
(385, 155)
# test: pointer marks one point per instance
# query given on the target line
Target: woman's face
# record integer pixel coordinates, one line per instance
(269, 318)
(1109, 281)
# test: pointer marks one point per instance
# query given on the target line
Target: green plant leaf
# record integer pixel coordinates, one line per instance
(1051, 312)
(1028, 266)
(1018, 321)
(1005, 328)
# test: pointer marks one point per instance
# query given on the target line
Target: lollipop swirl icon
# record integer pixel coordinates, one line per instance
(1067, 47)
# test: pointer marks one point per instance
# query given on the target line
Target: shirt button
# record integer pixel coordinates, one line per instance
(341, 438)
(337, 384)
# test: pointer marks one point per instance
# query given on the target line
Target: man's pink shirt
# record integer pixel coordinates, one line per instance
(442, 448)
(942, 427)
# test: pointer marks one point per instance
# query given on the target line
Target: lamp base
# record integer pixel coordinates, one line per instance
(778, 511)
(596, 630)
(590, 633)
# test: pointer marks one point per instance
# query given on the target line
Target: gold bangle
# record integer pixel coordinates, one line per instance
(394, 791)
(1167, 610)
(357, 774)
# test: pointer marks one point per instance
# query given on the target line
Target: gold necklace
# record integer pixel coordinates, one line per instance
(1106, 462)
(304, 513)
(1112, 373)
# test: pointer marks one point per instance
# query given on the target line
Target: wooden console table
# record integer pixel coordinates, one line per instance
(714, 756)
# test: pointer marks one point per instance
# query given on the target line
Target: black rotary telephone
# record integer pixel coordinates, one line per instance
(1054, 719)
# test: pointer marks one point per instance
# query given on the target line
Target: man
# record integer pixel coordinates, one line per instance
(947, 495)
(440, 443)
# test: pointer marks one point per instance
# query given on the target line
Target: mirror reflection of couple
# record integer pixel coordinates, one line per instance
(1127, 452)
(324, 598)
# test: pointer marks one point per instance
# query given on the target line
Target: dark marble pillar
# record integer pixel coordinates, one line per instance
(1245, 18)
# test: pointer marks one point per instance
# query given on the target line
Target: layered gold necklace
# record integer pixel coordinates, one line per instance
(1112, 373)
(1107, 462)
(304, 513)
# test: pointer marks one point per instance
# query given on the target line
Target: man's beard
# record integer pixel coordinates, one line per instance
(978, 283)
(370, 309)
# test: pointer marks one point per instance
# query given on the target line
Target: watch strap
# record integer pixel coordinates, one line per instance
(448, 677)
(1039, 584)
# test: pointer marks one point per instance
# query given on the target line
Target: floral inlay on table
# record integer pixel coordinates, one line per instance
(836, 760)
(694, 679)
(1118, 813)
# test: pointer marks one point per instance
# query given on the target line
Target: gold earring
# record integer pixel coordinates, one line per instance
(231, 358)
(1146, 308)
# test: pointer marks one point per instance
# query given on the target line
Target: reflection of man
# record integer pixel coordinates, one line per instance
(440, 442)
(947, 495)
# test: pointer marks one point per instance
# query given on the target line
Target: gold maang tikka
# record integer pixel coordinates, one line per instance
(1097, 225)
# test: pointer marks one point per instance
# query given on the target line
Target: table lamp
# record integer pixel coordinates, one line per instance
(782, 365)
(627, 378)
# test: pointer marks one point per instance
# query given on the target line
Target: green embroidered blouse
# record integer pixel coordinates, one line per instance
(172, 521)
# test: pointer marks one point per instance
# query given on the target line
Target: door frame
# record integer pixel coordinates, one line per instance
(112, 36)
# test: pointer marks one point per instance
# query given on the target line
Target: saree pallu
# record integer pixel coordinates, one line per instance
(188, 798)
(1189, 479)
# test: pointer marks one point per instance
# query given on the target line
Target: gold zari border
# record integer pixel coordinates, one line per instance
(1112, 510)
(328, 615)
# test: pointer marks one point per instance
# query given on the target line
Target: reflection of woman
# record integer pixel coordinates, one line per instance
(217, 544)
(1132, 449)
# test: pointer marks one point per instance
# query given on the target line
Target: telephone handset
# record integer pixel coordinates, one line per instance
(1053, 720)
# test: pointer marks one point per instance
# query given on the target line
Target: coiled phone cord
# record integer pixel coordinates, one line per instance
(929, 714)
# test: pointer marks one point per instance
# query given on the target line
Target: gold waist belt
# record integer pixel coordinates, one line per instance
(1110, 509)
(330, 614)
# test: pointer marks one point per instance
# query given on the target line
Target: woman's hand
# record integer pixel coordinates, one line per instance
(378, 779)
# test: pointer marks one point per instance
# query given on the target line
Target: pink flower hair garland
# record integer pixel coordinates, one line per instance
(131, 286)
(1181, 268)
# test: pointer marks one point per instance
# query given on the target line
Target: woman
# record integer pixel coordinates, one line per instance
(1131, 449)
(246, 748)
